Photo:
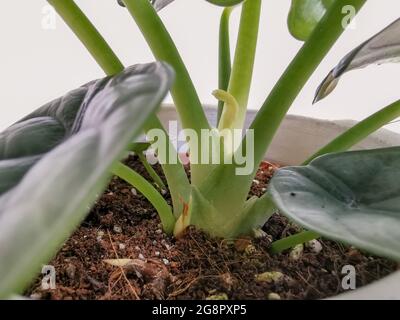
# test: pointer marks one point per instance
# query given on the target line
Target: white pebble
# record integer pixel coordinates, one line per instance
(274, 296)
(165, 261)
(315, 246)
(122, 246)
(157, 253)
(134, 192)
(141, 257)
(36, 296)
(256, 181)
(158, 231)
(296, 252)
(270, 277)
(154, 242)
(100, 235)
(117, 229)
(137, 248)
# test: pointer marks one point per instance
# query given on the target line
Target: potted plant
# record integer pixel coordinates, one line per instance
(218, 206)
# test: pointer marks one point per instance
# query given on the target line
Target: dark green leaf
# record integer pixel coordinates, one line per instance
(304, 16)
(351, 197)
(55, 161)
(382, 48)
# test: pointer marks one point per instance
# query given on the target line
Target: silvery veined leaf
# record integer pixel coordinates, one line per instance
(55, 162)
(382, 48)
(351, 197)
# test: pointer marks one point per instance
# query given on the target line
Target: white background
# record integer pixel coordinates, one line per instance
(39, 65)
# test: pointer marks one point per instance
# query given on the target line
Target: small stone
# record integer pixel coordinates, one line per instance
(315, 246)
(222, 296)
(157, 253)
(100, 235)
(137, 248)
(122, 246)
(71, 271)
(250, 249)
(158, 231)
(269, 277)
(296, 253)
(163, 192)
(165, 261)
(259, 233)
(134, 192)
(256, 181)
(264, 189)
(274, 296)
(141, 257)
(36, 296)
(117, 229)
(167, 246)
(154, 242)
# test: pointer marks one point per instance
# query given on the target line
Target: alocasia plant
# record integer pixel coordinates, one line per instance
(204, 199)
(215, 198)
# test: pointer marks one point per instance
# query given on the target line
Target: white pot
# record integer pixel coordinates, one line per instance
(298, 138)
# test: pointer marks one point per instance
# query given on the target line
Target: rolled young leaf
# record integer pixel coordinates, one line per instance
(382, 48)
(58, 160)
(351, 197)
(304, 16)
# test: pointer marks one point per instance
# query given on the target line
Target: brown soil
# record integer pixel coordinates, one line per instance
(124, 225)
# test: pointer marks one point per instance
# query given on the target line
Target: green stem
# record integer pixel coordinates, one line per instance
(243, 64)
(175, 174)
(360, 131)
(183, 92)
(151, 194)
(152, 173)
(292, 241)
(297, 74)
(224, 61)
(178, 182)
(274, 109)
(87, 33)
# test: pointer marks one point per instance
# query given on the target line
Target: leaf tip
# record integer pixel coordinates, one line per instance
(326, 87)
